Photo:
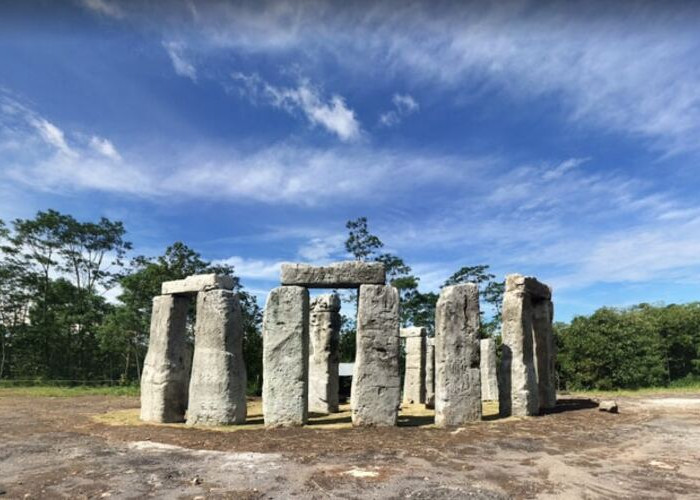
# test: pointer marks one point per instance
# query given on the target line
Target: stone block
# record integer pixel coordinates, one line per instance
(430, 373)
(457, 353)
(414, 372)
(286, 357)
(349, 274)
(376, 382)
(545, 353)
(218, 381)
(489, 377)
(518, 387)
(166, 369)
(197, 283)
(324, 332)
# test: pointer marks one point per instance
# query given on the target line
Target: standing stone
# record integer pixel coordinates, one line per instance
(218, 383)
(166, 369)
(545, 351)
(324, 332)
(457, 351)
(286, 357)
(518, 390)
(489, 379)
(376, 381)
(414, 374)
(430, 373)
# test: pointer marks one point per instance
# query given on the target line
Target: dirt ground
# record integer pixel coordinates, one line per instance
(94, 447)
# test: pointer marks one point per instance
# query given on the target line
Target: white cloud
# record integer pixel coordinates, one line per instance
(182, 66)
(404, 105)
(51, 134)
(332, 114)
(253, 269)
(104, 147)
(321, 250)
(105, 8)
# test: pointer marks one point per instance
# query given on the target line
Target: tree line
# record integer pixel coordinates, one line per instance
(55, 323)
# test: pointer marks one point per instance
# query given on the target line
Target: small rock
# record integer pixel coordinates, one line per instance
(106, 494)
(196, 480)
(608, 405)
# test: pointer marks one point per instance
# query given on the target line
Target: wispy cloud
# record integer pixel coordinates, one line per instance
(332, 114)
(181, 64)
(105, 8)
(404, 105)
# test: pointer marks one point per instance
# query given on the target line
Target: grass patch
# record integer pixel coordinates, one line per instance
(66, 392)
(681, 388)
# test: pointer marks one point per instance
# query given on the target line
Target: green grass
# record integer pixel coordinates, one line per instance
(648, 391)
(64, 392)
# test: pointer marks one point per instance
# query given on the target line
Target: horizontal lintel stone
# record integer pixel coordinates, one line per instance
(349, 274)
(197, 283)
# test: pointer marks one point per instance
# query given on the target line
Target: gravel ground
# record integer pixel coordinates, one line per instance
(63, 448)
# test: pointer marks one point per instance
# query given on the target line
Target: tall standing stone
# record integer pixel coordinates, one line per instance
(166, 369)
(489, 379)
(545, 351)
(218, 382)
(324, 332)
(457, 351)
(414, 373)
(430, 373)
(518, 385)
(286, 357)
(376, 381)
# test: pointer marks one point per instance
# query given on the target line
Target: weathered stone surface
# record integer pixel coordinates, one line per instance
(286, 357)
(545, 353)
(518, 388)
(376, 382)
(324, 332)
(608, 405)
(166, 369)
(350, 274)
(528, 284)
(457, 373)
(489, 378)
(197, 283)
(430, 373)
(457, 352)
(218, 381)
(414, 373)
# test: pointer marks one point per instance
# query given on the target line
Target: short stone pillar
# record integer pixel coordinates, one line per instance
(414, 373)
(376, 381)
(524, 314)
(218, 382)
(430, 373)
(489, 378)
(286, 357)
(545, 351)
(324, 332)
(457, 351)
(166, 369)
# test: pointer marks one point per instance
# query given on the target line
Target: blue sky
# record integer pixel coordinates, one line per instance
(550, 139)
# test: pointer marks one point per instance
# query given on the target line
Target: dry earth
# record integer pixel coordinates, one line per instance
(89, 447)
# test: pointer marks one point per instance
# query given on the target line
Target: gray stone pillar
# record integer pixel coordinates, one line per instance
(518, 387)
(166, 369)
(324, 332)
(545, 351)
(430, 373)
(376, 381)
(218, 382)
(414, 373)
(457, 351)
(489, 379)
(286, 357)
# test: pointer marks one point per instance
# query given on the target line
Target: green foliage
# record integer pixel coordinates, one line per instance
(642, 346)
(360, 242)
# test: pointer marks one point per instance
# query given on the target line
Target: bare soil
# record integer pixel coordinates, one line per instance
(93, 447)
